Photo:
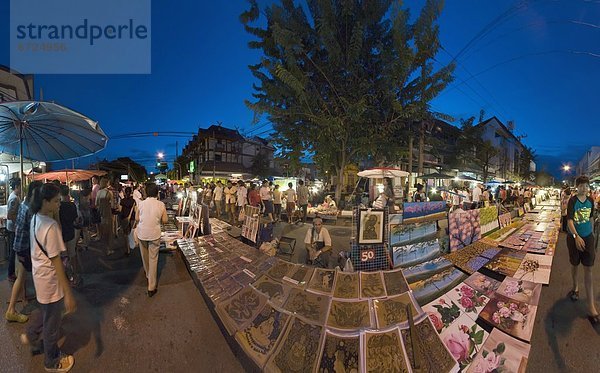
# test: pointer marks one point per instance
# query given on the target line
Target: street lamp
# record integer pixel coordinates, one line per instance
(161, 155)
(566, 168)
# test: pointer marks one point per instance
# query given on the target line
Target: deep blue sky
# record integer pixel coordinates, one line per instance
(200, 75)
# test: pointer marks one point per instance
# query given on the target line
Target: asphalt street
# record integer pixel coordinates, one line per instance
(118, 328)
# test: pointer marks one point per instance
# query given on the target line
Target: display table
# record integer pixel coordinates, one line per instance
(291, 317)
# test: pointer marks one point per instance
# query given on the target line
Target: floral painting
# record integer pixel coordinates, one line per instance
(483, 283)
(469, 300)
(511, 316)
(442, 312)
(504, 219)
(521, 290)
(464, 228)
(535, 268)
(501, 353)
(464, 338)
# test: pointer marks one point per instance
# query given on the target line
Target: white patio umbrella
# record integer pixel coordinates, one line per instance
(46, 131)
(381, 172)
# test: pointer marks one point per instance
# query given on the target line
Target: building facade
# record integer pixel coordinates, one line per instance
(220, 152)
(508, 162)
(589, 164)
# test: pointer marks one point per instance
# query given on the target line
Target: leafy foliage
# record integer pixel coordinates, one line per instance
(343, 79)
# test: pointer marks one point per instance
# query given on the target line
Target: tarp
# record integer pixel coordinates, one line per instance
(68, 175)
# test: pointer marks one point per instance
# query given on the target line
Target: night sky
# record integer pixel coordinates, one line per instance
(537, 64)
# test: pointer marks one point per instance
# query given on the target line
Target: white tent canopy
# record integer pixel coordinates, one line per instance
(12, 161)
(381, 172)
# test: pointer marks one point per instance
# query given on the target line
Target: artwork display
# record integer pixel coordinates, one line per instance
(297, 350)
(280, 270)
(464, 338)
(469, 300)
(346, 285)
(371, 285)
(276, 291)
(300, 276)
(482, 283)
(370, 227)
(417, 212)
(384, 352)
(442, 312)
(241, 309)
(408, 255)
(426, 351)
(488, 219)
(426, 269)
(322, 281)
(393, 311)
(296, 318)
(340, 353)
(395, 283)
(310, 306)
(520, 290)
(504, 220)
(513, 317)
(535, 268)
(349, 315)
(464, 228)
(403, 234)
(259, 339)
(506, 262)
(501, 353)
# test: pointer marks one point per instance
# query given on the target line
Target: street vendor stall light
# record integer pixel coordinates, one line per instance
(433, 190)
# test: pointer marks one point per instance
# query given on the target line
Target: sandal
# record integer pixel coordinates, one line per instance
(595, 320)
(574, 295)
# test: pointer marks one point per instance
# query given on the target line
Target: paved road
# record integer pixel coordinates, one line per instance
(118, 328)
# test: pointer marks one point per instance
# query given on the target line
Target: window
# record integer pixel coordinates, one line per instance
(218, 157)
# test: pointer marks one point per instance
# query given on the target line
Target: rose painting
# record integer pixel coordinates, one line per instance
(501, 353)
(464, 339)
(513, 317)
(469, 300)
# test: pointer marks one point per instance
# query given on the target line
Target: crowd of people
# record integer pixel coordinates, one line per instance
(51, 225)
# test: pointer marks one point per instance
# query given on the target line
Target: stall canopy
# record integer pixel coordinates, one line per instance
(381, 172)
(68, 175)
(435, 176)
(466, 178)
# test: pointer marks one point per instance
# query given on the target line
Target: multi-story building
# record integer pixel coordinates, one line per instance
(590, 164)
(221, 152)
(15, 86)
(508, 162)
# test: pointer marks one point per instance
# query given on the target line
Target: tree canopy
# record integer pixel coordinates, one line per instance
(343, 79)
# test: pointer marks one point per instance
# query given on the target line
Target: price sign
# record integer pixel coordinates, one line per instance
(367, 255)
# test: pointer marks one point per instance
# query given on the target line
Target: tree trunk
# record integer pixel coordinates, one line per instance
(340, 184)
(410, 165)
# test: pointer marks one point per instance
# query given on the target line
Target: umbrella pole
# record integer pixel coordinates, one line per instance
(21, 156)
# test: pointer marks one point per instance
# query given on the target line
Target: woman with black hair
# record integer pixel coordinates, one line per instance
(22, 250)
(51, 285)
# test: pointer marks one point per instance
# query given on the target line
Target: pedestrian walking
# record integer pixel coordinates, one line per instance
(290, 202)
(104, 201)
(267, 199)
(302, 197)
(127, 219)
(218, 197)
(68, 215)
(277, 202)
(581, 243)
(52, 289)
(149, 215)
(230, 192)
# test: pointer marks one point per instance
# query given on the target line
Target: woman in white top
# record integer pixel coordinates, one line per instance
(51, 285)
(149, 215)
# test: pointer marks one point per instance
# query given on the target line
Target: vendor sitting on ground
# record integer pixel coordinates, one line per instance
(329, 203)
(318, 243)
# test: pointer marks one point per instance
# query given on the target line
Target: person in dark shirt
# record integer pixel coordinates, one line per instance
(580, 242)
(127, 217)
(68, 215)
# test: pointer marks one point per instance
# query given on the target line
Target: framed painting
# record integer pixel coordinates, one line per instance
(501, 353)
(340, 353)
(370, 227)
(384, 352)
(511, 316)
(258, 340)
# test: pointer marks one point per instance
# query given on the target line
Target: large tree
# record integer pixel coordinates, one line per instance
(344, 79)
